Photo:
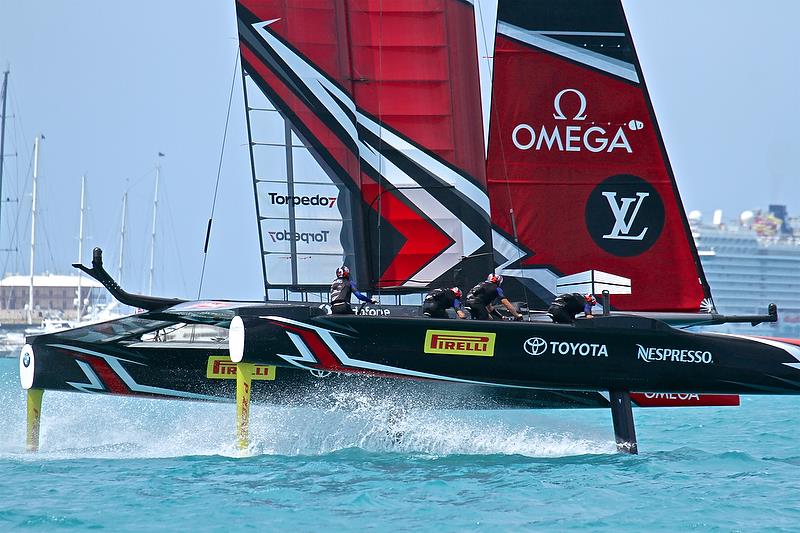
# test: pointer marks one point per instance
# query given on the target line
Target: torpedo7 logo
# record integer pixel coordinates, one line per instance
(306, 237)
(284, 199)
(459, 343)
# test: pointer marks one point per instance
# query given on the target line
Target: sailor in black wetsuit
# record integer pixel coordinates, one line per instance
(438, 301)
(341, 289)
(566, 306)
(480, 298)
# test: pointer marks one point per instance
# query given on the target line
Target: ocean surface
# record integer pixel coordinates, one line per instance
(152, 465)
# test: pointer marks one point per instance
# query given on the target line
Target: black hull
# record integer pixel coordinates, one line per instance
(189, 374)
(442, 363)
(605, 353)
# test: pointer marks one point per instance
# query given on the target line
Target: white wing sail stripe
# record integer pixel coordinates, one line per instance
(336, 101)
(587, 57)
(511, 253)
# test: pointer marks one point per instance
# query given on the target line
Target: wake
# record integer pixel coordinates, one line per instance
(78, 426)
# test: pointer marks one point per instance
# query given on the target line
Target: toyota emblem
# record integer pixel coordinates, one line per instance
(535, 346)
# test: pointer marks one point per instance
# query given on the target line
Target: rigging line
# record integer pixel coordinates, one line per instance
(17, 114)
(19, 133)
(43, 214)
(130, 184)
(380, 140)
(15, 232)
(175, 241)
(508, 188)
(219, 172)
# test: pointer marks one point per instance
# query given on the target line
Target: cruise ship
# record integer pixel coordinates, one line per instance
(750, 262)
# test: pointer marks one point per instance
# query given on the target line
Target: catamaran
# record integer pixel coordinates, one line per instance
(426, 144)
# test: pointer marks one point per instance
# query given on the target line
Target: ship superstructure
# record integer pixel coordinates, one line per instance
(751, 262)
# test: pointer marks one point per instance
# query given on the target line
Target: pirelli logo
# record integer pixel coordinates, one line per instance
(221, 367)
(459, 342)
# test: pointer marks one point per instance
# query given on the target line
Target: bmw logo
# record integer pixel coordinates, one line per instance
(26, 360)
(535, 346)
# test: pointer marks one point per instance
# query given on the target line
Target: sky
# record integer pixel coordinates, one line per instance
(110, 85)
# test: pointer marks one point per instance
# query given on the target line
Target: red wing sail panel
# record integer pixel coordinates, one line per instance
(577, 169)
(386, 99)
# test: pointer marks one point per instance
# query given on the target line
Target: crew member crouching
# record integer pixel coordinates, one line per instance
(566, 306)
(438, 301)
(341, 289)
(482, 295)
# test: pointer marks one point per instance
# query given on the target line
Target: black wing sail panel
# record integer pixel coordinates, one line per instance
(408, 171)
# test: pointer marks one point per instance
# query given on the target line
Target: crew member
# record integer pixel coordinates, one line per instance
(438, 301)
(566, 306)
(482, 295)
(341, 289)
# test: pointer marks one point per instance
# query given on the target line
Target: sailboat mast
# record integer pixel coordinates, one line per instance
(122, 235)
(3, 134)
(80, 249)
(153, 234)
(33, 224)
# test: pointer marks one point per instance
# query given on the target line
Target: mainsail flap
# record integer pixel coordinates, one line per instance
(578, 174)
(384, 99)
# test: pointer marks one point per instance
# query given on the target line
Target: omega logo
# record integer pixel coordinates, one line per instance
(575, 138)
(559, 115)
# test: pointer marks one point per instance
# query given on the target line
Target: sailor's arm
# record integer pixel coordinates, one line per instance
(508, 305)
(511, 309)
(459, 308)
(361, 296)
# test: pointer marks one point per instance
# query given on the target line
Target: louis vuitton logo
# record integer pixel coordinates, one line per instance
(623, 223)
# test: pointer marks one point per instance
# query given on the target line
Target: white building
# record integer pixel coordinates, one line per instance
(52, 293)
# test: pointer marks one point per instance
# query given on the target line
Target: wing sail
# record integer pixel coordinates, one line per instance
(578, 174)
(386, 100)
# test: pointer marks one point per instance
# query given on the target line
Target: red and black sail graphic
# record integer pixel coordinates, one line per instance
(412, 110)
(386, 97)
(577, 169)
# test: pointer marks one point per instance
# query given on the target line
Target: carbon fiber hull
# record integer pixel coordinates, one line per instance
(605, 353)
(206, 374)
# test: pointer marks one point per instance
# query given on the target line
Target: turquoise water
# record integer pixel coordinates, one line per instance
(142, 465)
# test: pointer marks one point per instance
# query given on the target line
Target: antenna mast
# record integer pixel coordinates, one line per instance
(153, 234)
(122, 236)
(78, 307)
(33, 223)
(3, 133)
